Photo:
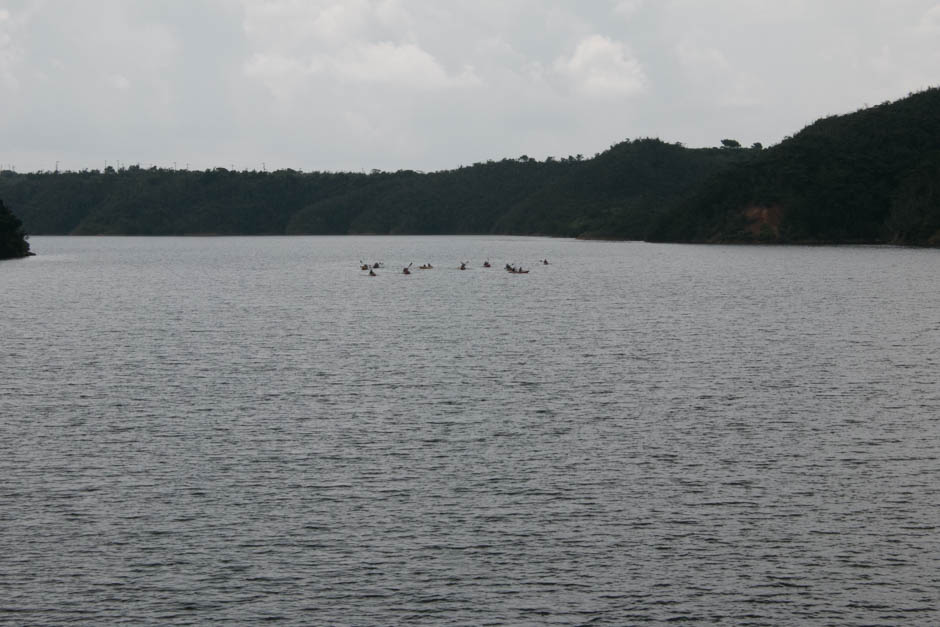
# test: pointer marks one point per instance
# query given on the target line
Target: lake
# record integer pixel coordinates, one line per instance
(208, 430)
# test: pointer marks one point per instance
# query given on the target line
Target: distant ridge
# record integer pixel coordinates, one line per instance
(617, 193)
(872, 176)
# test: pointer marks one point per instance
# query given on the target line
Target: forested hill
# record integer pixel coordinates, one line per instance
(615, 194)
(872, 176)
(12, 239)
(621, 193)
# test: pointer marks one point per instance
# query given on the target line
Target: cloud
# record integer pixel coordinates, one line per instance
(287, 25)
(10, 53)
(709, 69)
(119, 82)
(426, 84)
(328, 45)
(405, 65)
(701, 62)
(929, 23)
(299, 27)
(383, 64)
(627, 8)
(601, 67)
(282, 76)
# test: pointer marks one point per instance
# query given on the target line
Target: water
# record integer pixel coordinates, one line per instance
(245, 430)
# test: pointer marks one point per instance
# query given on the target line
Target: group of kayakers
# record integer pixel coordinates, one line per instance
(371, 267)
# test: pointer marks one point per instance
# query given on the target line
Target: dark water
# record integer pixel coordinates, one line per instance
(251, 430)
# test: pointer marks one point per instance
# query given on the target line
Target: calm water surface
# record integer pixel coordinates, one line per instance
(246, 430)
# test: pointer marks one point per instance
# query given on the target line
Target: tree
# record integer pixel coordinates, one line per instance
(12, 238)
(730, 143)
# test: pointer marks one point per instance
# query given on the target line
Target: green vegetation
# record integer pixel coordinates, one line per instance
(620, 193)
(616, 194)
(872, 176)
(12, 238)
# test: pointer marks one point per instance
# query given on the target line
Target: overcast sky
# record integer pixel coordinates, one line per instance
(434, 84)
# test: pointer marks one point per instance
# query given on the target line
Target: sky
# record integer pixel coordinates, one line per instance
(435, 84)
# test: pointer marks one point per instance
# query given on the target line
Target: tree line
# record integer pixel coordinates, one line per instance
(617, 193)
(869, 176)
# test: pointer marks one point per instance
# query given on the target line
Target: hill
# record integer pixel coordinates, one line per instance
(620, 192)
(872, 176)
(12, 238)
(615, 194)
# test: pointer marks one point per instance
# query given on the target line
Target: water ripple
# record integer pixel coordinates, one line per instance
(635, 434)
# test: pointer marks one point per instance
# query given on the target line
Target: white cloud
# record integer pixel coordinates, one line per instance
(428, 84)
(404, 65)
(10, 53)
(282, 76)
(710, 70)
(300, 27)
(119, 82)
(702, 62)
(294, 24)
(602, 67)
(299, 46)
(929, 23)
(627, 8)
